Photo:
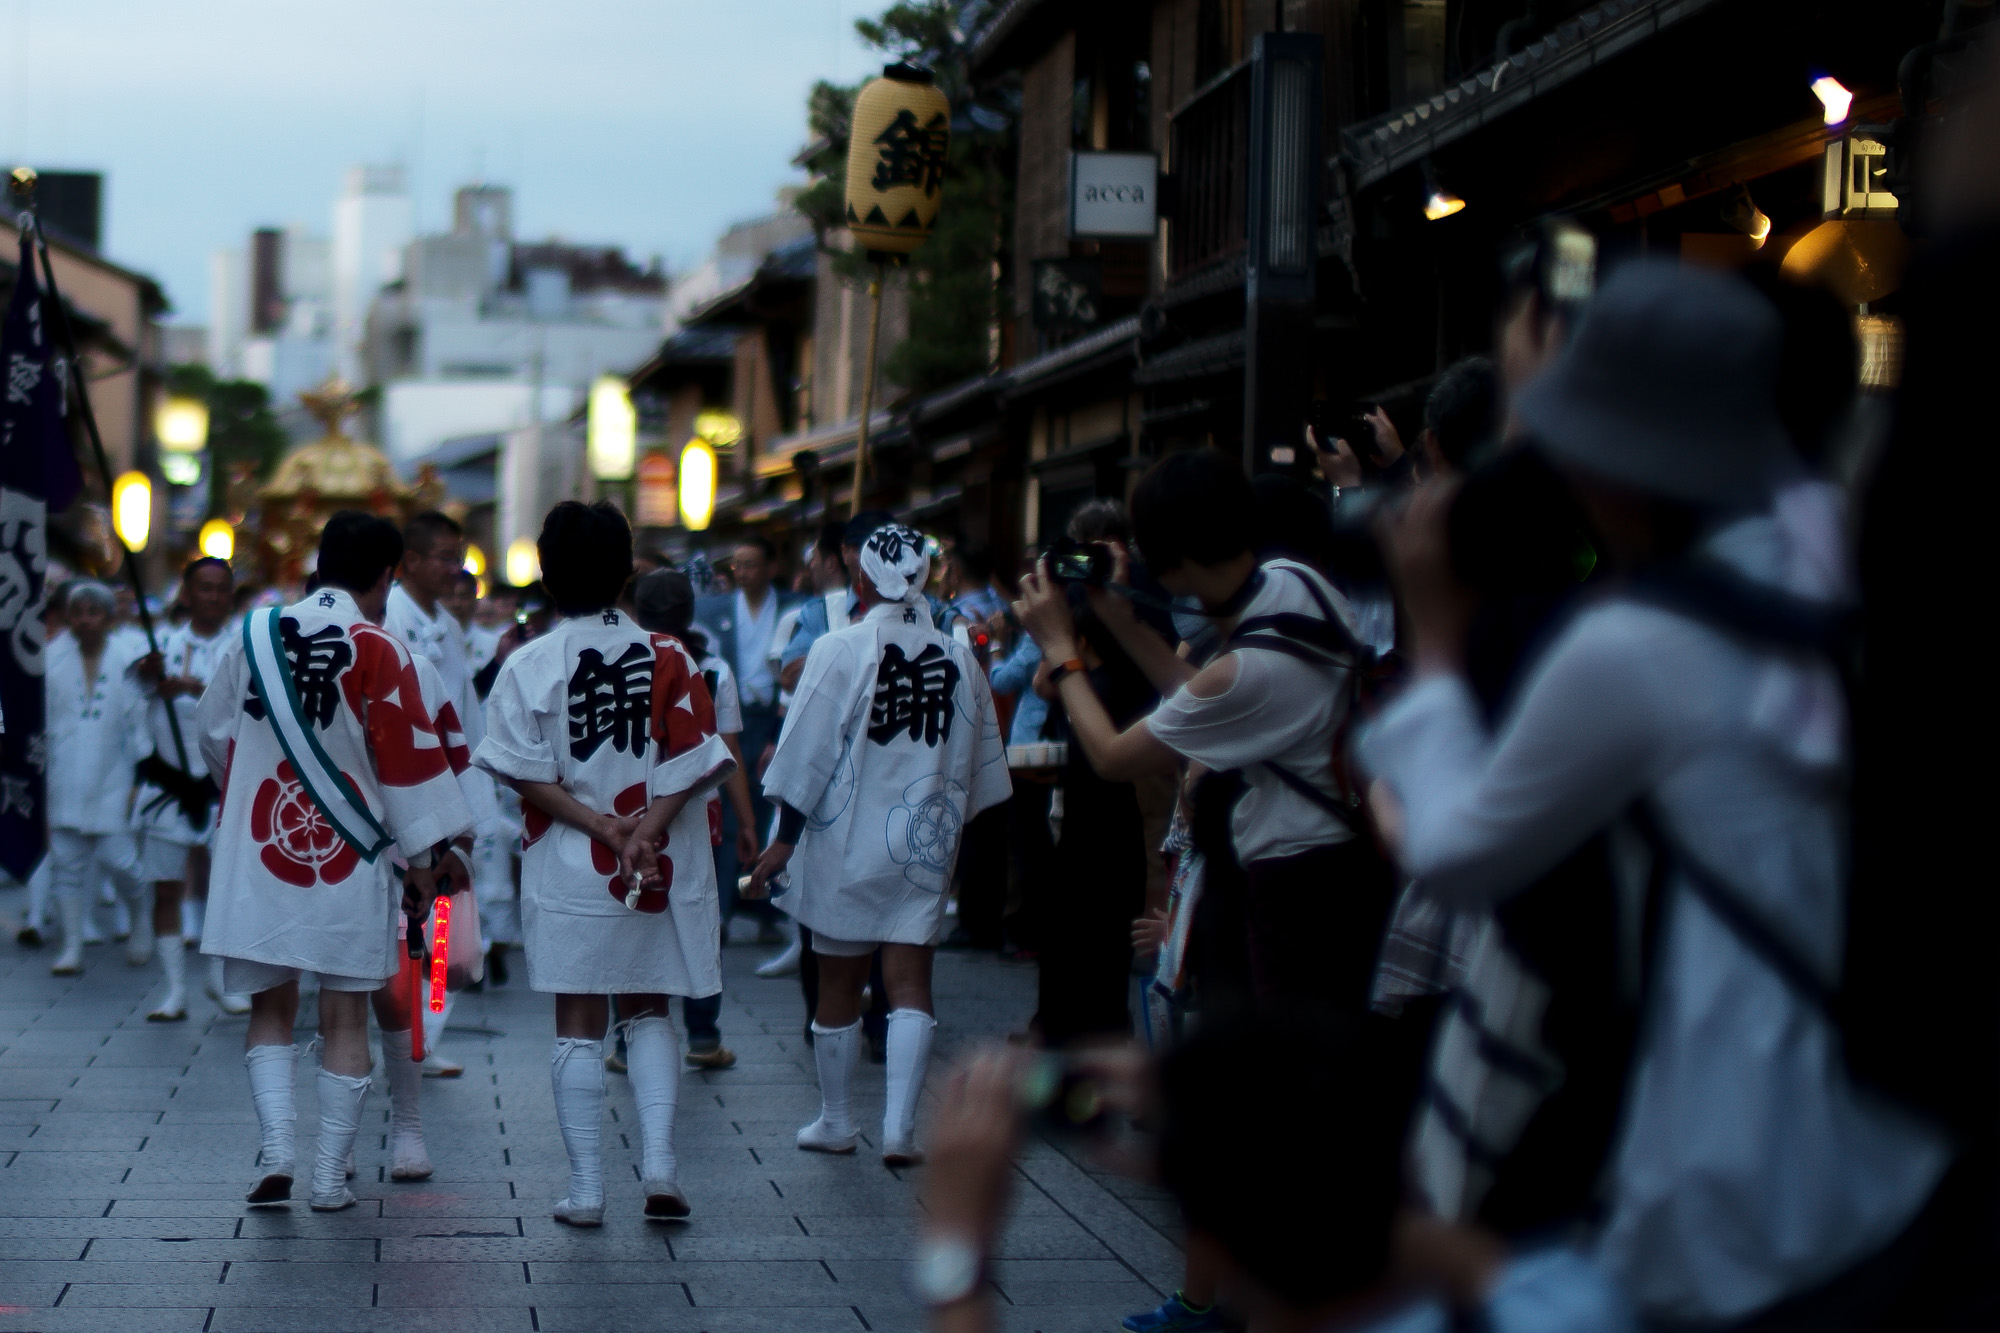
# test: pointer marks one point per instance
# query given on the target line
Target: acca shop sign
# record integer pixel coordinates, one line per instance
(1113, 194)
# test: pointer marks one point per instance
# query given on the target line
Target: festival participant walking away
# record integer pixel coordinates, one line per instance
(891, 746)
(332, 766)
(174, 809)
(96, 717)
(609, 735)
(1746, 1178)
(664, 604)
(433, 560)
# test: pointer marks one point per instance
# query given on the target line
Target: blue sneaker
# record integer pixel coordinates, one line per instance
(1177, 1316)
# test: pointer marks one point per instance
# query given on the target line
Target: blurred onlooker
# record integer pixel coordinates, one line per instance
(1315, 1245)
(1748, 1176)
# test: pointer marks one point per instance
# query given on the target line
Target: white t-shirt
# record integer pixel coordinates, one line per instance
(1279, 709)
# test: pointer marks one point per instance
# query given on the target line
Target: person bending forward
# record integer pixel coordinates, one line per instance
(892, 745)
(609, 735)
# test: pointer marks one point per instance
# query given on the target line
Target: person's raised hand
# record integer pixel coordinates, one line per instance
(1388, 440)
(974, 1136)
(1337, 462)
(1110, 606)
(1044, 613)
(1418, 546)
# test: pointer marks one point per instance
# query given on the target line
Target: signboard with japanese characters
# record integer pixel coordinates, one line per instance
(1113, 194)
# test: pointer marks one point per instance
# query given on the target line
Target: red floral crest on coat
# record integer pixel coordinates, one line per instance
(300, 846)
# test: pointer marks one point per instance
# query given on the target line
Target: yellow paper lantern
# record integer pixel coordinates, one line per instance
(524, 562)
(475, 560)
(697, 485)
(182, 424)
(612, 430)
(901, 129)
(132, 509)
(218, 539)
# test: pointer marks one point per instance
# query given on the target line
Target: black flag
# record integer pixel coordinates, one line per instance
(38, 474)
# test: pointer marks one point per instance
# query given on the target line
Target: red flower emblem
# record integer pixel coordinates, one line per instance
(605, 859)
(300, 846)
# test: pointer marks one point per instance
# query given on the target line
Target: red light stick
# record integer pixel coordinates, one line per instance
(440, 951)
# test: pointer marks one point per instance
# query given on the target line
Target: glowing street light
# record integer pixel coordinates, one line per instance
(475, 561)
(132, 509)
(613, 431)
(697, 484)
(181, 423)
(1833, 97)
(524, 562)
(218, 539)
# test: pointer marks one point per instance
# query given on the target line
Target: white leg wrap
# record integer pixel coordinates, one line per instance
(835, 1052)
(577, 1071)
(194, 915)
(273, 1076)
(340, 1099)
(173, 962)
(408, 1158)
(653, 1063)
(910, 1032)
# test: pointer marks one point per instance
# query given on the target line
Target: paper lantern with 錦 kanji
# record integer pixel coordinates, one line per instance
(895, 160)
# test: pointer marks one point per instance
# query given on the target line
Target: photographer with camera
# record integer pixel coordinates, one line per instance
(1270, 704)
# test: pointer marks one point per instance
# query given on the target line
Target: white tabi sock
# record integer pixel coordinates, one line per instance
(340, 1099)
(173, 962)
(835, 1052)
(273, 1075)
(408, 1158)
(653, 1063)
(194, 916)
(910, 1032)
(434, 1023)
(577, 1071)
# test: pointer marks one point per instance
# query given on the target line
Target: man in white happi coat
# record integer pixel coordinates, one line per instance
(173, 813)
(96, 716)
(332, 768)
(433, 560)
(609, 735)
(891, 746)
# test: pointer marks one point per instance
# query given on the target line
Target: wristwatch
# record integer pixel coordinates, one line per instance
(945, 1270)
(1062, 669)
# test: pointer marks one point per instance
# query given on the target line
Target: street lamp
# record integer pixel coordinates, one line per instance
(524, 562)
(218, 539)
(181, 422)
(613, 430)
(132, 509)
(697, 484)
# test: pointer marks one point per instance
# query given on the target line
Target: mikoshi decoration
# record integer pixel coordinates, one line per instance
(896, 147)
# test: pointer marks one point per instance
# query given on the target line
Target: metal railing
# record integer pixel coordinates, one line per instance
(1211, 172)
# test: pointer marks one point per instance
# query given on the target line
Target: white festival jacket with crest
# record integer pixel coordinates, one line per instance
(287, 888)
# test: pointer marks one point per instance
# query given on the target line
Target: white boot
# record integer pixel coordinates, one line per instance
(193, 910)
(139, 941)
(340, 1099)
(653, 1063)
(577, 1071)
(173, 962)
(910, 1033)
(408, 1159)
(227, 1001)
(835, 1051)
(273, 1074)
(70, 901)
(785, 963)
(435, 1065)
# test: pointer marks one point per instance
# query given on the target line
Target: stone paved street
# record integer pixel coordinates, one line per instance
(125, 1149)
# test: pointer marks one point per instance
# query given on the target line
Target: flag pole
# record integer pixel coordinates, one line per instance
(22, 183)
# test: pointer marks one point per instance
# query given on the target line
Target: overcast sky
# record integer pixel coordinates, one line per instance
(648, 123)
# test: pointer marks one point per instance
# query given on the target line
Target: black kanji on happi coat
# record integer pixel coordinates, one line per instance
(912, 154)
(610, 701)
(913, 696)
(316, 660)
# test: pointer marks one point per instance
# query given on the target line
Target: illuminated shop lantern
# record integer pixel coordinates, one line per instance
(218, 539)
(896, 160)
(132, 509)
(697, 484)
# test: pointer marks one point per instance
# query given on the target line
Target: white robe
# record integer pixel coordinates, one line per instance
(891, 745)
(619, 718)
(95, 736)
(185, 654)
(441, 641)
(285, 888)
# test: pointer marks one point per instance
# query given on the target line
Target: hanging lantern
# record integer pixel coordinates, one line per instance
(697, 484)
(132, 509)
(475, 560)
(524, 562)
(659, 503)
(895, 160)
(218, 539)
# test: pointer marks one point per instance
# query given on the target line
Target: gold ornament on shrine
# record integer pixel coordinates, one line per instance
(896, 146)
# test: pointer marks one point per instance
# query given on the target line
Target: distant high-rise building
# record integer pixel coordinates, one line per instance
(228, 312)
(267, 287)
(371, 227)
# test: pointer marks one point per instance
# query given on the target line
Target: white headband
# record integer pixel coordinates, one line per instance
(895, 561)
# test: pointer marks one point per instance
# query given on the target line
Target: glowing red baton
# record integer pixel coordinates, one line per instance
(440, 950)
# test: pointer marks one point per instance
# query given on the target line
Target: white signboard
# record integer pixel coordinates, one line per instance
(1113, 194)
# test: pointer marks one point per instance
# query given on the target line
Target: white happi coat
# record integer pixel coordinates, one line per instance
(188, 654)
(286, 889)
(94, 737)
(891, 745)
(441, 640)
(619, 717)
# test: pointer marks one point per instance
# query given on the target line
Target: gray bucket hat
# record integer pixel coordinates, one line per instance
(1668, 387)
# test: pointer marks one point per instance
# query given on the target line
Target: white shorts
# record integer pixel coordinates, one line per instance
(832, 948)
(241, 976)
(162, 859)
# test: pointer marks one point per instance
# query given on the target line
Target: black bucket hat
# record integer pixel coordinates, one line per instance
(1668, 386)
